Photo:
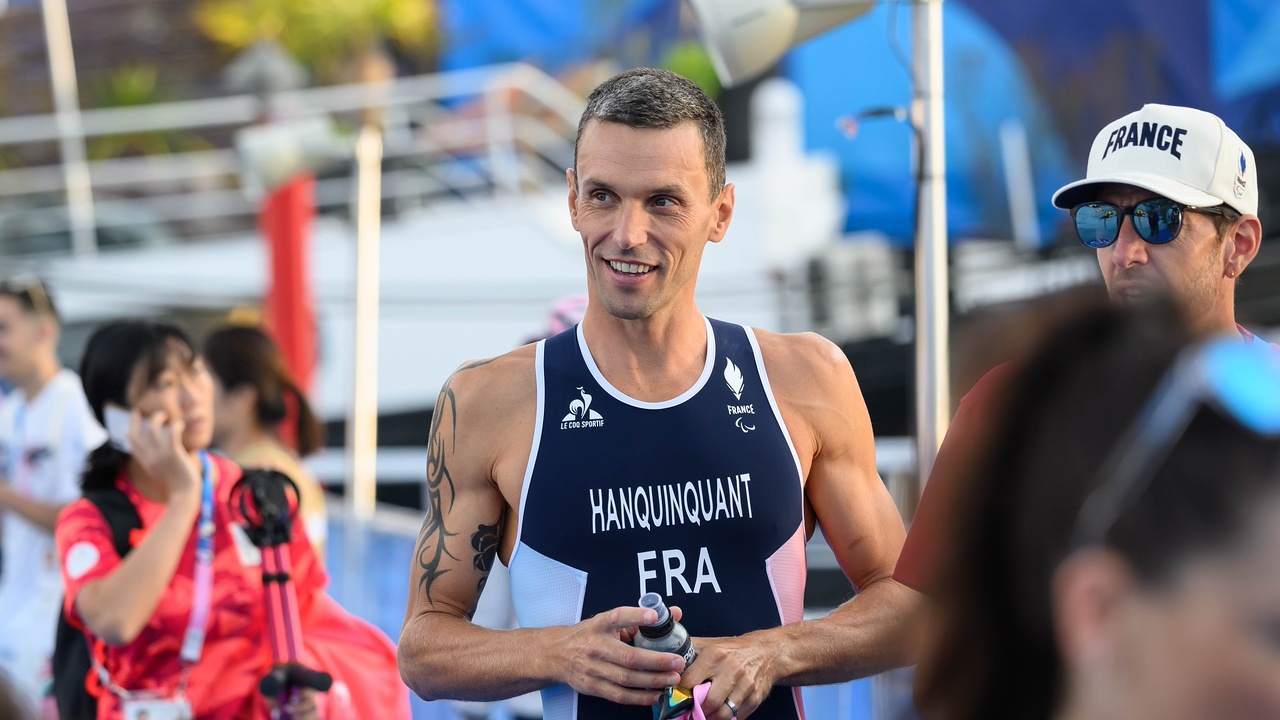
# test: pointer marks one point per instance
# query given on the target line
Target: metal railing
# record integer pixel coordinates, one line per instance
(462, 134)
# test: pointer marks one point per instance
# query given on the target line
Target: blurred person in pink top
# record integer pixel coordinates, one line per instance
(253, 395)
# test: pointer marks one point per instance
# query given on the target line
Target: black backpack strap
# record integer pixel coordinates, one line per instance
(73, 651)
(120, 514)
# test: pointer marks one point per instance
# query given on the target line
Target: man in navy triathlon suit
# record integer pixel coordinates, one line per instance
(650, 448)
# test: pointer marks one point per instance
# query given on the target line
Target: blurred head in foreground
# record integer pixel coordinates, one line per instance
(1117, 558)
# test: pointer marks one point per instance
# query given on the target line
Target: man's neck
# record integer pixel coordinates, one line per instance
(1217, 323)
(651, 360)
(38, 378)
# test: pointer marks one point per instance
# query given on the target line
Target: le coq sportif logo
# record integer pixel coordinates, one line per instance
(580, 413)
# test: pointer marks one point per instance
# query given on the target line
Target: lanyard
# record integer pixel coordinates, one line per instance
(193, 640)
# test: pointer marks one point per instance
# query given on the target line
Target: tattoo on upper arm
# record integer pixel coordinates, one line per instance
(485, 543)
(432, 539)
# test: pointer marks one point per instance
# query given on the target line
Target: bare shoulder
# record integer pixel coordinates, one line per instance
(483, 420)
(816, 392)
(500, 381)
(800, 361)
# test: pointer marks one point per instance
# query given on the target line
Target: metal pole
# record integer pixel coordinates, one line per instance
(933, 386)
(362, 419)
(66, 106)
(504, 163)
(1020, 185)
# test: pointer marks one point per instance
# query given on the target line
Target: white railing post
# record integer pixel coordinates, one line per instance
(66, 104)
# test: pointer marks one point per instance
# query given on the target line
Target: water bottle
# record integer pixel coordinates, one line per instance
(666, 635)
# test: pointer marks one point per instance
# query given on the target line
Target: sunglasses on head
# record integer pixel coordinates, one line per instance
(29, 291)
(1157, 221)
(1239, 380)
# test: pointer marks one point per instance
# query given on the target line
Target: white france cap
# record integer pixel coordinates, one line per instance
(1187, 155)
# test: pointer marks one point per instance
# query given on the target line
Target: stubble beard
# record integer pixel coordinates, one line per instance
(624, 308)
(1197, 299)
(1202, 292)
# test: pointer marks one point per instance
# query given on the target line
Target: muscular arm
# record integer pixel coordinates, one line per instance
(828, 419)
(441, 653)
(869, 633)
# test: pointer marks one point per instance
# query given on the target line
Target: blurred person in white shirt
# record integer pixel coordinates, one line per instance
(46, 431)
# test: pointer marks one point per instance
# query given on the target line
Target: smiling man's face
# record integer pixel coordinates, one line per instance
(641, 201)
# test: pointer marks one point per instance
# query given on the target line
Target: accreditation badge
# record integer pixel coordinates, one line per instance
(150, 708)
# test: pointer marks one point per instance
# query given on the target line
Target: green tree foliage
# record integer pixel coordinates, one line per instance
(325, 35)
(132, 86)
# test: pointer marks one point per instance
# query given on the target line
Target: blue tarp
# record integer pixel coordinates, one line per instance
(1061, 69)
(854, 68)
(1100, 59)
(555, 34)
(1245, 38)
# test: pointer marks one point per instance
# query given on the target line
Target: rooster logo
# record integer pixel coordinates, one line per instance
(733, 378)
(580, 409)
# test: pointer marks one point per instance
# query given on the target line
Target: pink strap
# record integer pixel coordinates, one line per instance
(699, 697)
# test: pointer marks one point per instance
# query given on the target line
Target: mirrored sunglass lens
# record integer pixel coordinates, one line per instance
(1097, 224)
(1157, 221)
(1246, 381)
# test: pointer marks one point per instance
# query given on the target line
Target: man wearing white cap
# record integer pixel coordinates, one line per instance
(1170, 202)
(1190, 187)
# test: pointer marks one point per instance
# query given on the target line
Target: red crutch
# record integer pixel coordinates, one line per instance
(263, 500)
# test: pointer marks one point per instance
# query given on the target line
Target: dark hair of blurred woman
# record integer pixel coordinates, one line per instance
(1032, 627)
(252, 394)
(245, 357)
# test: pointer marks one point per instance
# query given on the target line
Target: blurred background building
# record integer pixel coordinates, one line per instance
(187, 116)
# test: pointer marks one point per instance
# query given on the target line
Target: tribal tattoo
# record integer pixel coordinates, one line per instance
(485, 543)
(432, 549)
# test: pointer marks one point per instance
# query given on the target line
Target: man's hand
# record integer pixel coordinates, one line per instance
(600, 661)
(739, 668)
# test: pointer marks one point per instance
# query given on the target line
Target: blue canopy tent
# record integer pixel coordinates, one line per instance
(855, 68)
(1062, 70)
(1104, 58)
(558, 33)
(554, 34)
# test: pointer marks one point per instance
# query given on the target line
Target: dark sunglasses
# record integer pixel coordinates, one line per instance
(1157, 221)
(1239, 380)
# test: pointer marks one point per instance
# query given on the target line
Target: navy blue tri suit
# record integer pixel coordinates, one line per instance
(698, 498)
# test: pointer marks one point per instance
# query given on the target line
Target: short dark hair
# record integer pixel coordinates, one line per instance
(655, 98)
(1222, 221)
(111, 356)
(31, 294)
